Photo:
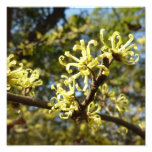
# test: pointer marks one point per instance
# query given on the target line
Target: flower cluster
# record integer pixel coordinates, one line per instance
(21, 78)
(105, 91)
(120, 102)
(85, 64)
(121, 52)
(65, 101)
(94, 120)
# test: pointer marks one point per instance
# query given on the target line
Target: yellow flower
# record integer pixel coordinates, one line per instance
(20, 78)
(119, 51)
(122, 130)
(142, 125)
(121, 103)
(94, 120)
(27, 49)
(32, 80)
(93, 108)
(85, 64)
(10, 62)
(65, 101)
(105, 91)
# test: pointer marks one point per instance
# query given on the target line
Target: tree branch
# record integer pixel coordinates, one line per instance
(43, 104)
(28, 101)
(121, 122)
(95, 84)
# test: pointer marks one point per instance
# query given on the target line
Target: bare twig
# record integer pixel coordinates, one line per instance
(27, 101)
(106, 107)
(79, 103)
(121, 122)
(99, 80)
(92, 74)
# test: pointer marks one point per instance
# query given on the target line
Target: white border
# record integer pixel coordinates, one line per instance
(76, 3)
(81, 3)
(3, 75)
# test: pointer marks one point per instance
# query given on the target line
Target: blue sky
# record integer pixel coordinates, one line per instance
(77, 11)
